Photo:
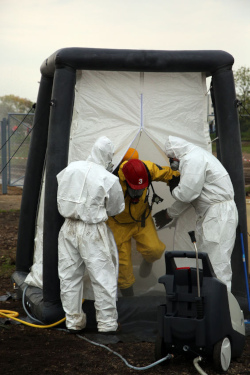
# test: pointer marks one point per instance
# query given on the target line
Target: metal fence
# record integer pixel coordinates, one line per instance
(15, 141)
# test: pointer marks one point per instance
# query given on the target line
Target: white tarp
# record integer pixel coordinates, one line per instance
(121, 105)
(139, 110)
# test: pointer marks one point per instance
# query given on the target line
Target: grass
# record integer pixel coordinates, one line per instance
(245, 144)
(245, 147)
(245, 136)
(11, 210)
(6, 266)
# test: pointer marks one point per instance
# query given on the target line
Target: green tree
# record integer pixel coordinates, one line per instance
(242, 87)
(13, 104)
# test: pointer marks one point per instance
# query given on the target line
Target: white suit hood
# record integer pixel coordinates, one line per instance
(177, 147)
(203, 179)
(86, 190)
(102, 152)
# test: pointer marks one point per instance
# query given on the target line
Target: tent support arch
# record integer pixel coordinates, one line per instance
(50, 143)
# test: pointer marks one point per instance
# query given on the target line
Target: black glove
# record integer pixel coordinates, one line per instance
(161, 219)
(173, 183)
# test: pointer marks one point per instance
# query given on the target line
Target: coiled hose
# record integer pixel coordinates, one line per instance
(13, 315)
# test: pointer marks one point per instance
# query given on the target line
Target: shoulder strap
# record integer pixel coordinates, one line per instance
(149, 175)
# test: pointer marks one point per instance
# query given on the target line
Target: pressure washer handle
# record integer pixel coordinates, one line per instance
(192, 236)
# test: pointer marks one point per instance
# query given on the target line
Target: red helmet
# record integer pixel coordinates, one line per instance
(135, 174)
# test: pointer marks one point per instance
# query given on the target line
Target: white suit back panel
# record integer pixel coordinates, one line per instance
(86, 191)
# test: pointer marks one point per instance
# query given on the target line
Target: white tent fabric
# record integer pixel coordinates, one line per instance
(137, 109)
(121, 105)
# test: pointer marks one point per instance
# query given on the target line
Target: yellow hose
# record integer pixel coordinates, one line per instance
(12, 315)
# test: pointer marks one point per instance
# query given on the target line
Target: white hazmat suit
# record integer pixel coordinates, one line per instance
(205, 183)
(87, 194)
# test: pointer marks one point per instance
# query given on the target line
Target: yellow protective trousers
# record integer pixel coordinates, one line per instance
(147, 243)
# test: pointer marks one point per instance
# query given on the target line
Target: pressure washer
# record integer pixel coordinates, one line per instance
(200, 315)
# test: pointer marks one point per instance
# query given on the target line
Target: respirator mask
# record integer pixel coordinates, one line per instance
(110, 167)
(174, 164)
(135, 195)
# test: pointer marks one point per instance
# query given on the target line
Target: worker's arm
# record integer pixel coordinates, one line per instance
(115, 199)
(177, 209)
(160, 173)
(193, 176)
(122, 177)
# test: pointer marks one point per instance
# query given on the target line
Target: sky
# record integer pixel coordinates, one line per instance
(31, 31)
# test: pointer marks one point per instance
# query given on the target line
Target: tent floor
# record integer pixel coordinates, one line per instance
(137, 315)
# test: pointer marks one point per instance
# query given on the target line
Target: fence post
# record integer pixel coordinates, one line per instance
(4, 156)
(9, 150)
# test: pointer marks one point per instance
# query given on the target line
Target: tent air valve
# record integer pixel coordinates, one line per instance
(53, 103)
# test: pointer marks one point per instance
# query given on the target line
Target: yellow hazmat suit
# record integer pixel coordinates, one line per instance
(136, 221)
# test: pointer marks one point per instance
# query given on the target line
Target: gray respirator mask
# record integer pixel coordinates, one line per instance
(174, 164)
(110, 167)
(135, 195)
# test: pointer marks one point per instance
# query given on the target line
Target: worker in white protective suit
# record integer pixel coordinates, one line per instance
(87, 194)
(205, 184)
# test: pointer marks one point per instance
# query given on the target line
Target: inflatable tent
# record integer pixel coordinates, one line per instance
(136, 98)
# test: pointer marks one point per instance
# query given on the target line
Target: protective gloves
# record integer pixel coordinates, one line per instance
(161, 219)
(173, 183)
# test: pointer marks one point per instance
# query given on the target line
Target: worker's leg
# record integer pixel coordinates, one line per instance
(123, 234)
(216, 234)
(71, 269)
(148, 242)
(96, 253)
(149, 245)
(126, 277)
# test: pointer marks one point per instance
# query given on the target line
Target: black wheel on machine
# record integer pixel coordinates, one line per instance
(222, 355)
(161, 350)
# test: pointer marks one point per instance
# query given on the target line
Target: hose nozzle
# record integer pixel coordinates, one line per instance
(192, 236)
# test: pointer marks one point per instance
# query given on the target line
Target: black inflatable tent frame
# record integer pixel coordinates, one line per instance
(50, 142)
